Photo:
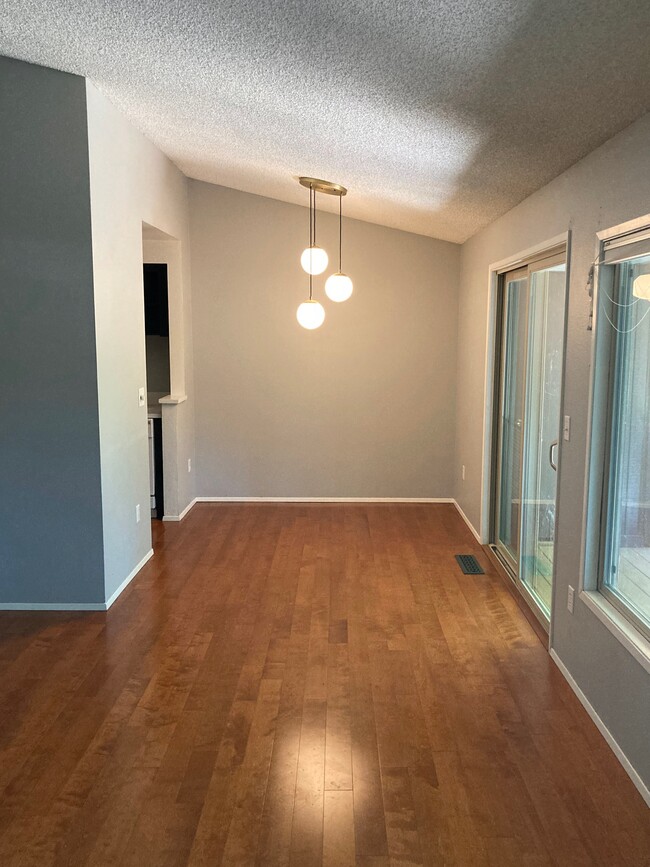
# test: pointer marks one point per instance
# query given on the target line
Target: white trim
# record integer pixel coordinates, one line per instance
(52, 606)
(524, 256)
(590, 493)
(494, 269)
(618, 625)
(468, 522)
(128, 579)
(175, 518)
(488, 394)
(322, 500)
(614, 620)
(624, 228)
(602, 728)
(77, 606)
(182, 514)
(172, 399)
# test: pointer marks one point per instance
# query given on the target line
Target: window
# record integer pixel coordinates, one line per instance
(624, 514)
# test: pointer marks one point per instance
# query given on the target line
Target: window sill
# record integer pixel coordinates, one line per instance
(619, 626)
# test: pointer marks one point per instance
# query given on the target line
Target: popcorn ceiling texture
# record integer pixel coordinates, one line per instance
(439, 116)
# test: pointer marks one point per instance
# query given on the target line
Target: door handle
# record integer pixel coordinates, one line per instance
(553, 445)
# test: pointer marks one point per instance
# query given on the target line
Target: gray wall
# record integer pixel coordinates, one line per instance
(51, 548)
(609, 187)
(362, 407)
(157, 349)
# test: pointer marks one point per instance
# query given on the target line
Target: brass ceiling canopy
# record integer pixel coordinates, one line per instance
(321, 186)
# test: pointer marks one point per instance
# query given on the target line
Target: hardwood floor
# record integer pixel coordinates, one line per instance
(303, 685)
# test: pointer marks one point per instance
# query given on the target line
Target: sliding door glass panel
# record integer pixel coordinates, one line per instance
(513, 372)
(627, 556)
(542, 430)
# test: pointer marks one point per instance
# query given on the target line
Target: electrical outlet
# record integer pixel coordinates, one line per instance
(137, 514)
(141, 400)
(189, 465)
(570, 598)
(462, 472)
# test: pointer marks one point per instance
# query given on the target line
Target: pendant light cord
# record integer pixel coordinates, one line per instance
(340, 232)
(312, 232)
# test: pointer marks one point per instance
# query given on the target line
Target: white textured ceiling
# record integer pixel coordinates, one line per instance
(439, 116)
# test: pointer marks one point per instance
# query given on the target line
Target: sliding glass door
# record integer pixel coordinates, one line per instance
(532, 306)
(511, 416)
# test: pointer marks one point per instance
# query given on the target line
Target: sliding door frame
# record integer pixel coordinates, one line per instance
(555, 251)
(503, 303)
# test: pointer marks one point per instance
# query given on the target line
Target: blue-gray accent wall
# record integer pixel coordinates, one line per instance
(51, 543)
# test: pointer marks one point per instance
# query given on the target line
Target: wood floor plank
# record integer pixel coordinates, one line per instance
(338, 829)
(304, 685)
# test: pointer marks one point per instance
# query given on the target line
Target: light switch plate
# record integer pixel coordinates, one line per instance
(570, 599)
(141, 397)
(566, 429)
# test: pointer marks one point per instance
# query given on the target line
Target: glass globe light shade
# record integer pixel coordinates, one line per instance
(338, 287)
(310, 314)
(314, 260)
(641, 287)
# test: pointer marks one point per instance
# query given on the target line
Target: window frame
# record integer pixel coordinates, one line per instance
(608, 606)
(610, 515)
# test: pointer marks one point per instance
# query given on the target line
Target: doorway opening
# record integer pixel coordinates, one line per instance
(156, 321)
(165, 357)
(531, 304)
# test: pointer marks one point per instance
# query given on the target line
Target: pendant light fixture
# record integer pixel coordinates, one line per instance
(338, 287)
(314, 259)
(311, 313)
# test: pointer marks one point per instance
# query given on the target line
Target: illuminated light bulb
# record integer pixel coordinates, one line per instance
(338, 287)
(310, 314)
(314, 260)
(640, 287)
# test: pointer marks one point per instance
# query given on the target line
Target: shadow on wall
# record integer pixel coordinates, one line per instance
(538, 88)
(546, 51)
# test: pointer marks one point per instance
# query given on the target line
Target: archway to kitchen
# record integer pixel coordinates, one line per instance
(166, 394)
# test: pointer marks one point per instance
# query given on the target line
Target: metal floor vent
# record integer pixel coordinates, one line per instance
(469, 564)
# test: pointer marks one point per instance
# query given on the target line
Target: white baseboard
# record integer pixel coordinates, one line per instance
(324, 500)
(182, 514)
(52, 606)
(128, 579)
(77, 606)
(468, 522)
(602, 728)
(306, 500)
